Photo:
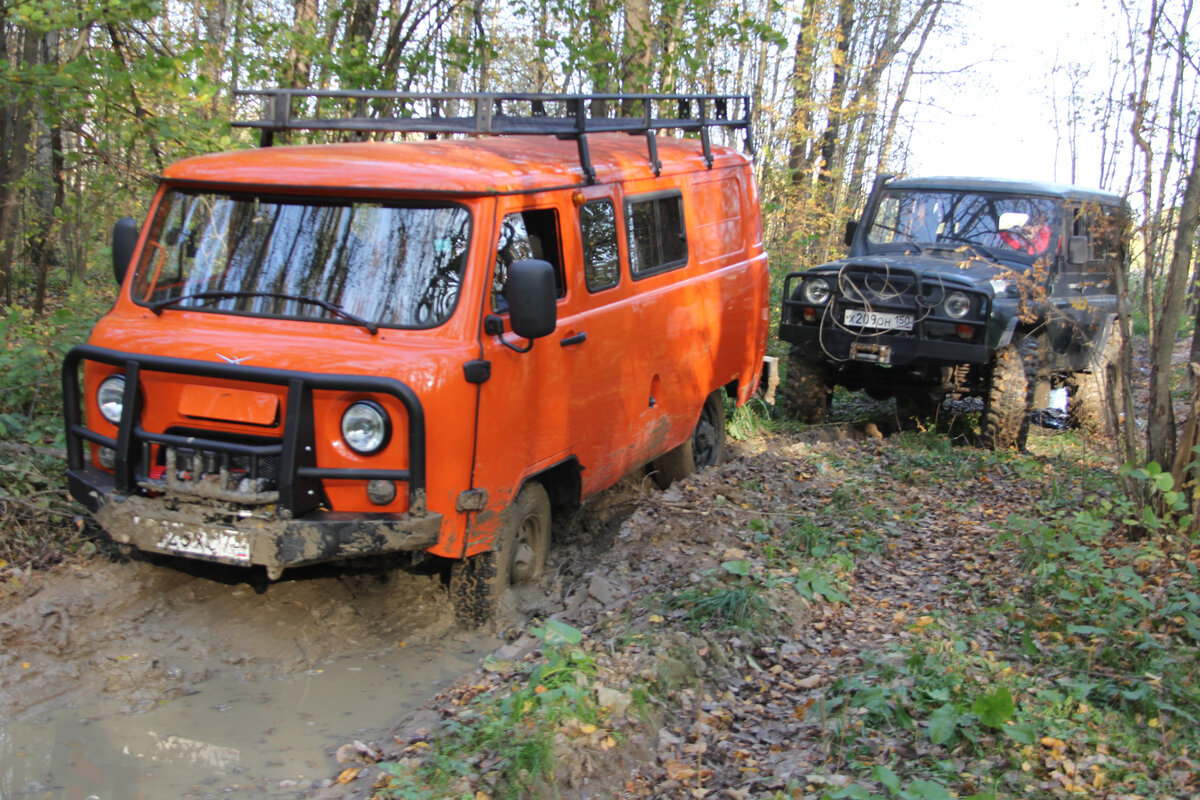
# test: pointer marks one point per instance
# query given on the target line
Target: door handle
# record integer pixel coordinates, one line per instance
(578, 338)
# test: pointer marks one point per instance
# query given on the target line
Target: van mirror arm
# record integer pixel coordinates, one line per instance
(493, 325)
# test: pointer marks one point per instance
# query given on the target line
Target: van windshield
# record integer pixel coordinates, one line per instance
(303, 258)
(1004, 225)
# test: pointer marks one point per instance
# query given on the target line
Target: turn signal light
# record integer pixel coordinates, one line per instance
(965, 332)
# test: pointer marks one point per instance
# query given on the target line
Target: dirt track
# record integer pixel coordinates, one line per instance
(198, 665)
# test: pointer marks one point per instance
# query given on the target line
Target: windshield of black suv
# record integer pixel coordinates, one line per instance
(305, 258)
(1002, 225)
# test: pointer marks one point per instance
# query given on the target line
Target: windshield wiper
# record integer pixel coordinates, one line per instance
(908, 240)
(332, 308)
(979, 250)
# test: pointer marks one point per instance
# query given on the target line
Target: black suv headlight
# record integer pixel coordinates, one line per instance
(816, 291)
(956, 305)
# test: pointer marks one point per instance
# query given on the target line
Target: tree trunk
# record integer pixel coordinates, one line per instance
(1160, 427)
(304, 31)
(636, 48)
(885, 147)
(803, 70)
(601, 36)
(18, 159)
(47, 189)
(837, 95)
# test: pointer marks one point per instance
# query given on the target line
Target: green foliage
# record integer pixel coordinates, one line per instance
(37, 520)
(515, 728)
(1118, 609)
(1167, 509)
(734, 601)
(751, 419)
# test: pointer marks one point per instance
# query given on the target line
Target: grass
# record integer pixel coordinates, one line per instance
(1091, 685)
(507, 738)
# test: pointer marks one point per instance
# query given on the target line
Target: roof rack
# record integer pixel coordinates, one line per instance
(566, 116)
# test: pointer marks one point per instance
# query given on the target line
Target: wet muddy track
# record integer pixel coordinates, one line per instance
(149, 676)
(159, 677)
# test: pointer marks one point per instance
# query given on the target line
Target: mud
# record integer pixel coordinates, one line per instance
(167, 678)
(155, 677)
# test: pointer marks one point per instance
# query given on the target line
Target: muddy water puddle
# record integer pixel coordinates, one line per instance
(128, 680)
(272, 738)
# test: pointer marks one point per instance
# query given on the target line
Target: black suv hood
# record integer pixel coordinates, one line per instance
(959, 266)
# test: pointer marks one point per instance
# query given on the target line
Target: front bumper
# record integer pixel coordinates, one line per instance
(841, 346)
(212, 518)
(934, 339)
(213, 533)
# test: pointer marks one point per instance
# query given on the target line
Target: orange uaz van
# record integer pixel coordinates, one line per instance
(338, 350)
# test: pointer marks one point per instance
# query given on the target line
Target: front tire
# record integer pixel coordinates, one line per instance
(704, 448)
(479, 583)
(1005, 422)
(804, 396)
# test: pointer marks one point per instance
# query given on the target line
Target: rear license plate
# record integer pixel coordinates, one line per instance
(224, 543)
(860, 318)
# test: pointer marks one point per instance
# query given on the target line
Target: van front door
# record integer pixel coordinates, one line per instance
(523, 423)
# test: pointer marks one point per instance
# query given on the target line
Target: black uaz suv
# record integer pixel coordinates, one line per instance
(963, 287)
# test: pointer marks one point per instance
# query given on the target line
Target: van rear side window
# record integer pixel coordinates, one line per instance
(598, 224)
(657, 238)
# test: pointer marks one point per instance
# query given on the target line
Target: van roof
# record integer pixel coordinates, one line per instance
(475, 166)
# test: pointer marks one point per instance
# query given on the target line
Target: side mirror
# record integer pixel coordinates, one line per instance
(851, 229)
(532, 298)
(124, 240)
(1077, 250)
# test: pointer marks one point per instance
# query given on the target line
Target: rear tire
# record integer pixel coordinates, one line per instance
(804, 396)
(1005, 422)
(1087, 392)
(704, 448)
(479, 583)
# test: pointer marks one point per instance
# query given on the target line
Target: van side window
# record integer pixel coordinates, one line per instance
(523, 235)
(657, 238)
(598, 224)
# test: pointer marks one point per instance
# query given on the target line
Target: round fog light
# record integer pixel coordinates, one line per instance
(107, 457)
(381, 492)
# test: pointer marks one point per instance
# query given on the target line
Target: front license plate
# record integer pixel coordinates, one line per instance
(859, 318)
(224, 543)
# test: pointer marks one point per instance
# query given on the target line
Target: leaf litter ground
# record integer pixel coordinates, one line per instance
(802, 621)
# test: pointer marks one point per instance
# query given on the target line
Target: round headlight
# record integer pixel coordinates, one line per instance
(111, 398)
(816, 291)
(366, 427)
(957, 305)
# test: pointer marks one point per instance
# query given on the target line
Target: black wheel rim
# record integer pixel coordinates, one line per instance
(704, 439)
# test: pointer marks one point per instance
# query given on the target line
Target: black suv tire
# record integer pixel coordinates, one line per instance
(1087, 392)
(804, 396)
(1005, 421)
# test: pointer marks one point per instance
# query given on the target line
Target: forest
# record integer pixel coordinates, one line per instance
(100, 96)
(902, 616)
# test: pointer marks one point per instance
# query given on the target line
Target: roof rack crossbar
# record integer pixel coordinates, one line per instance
(489, 113)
